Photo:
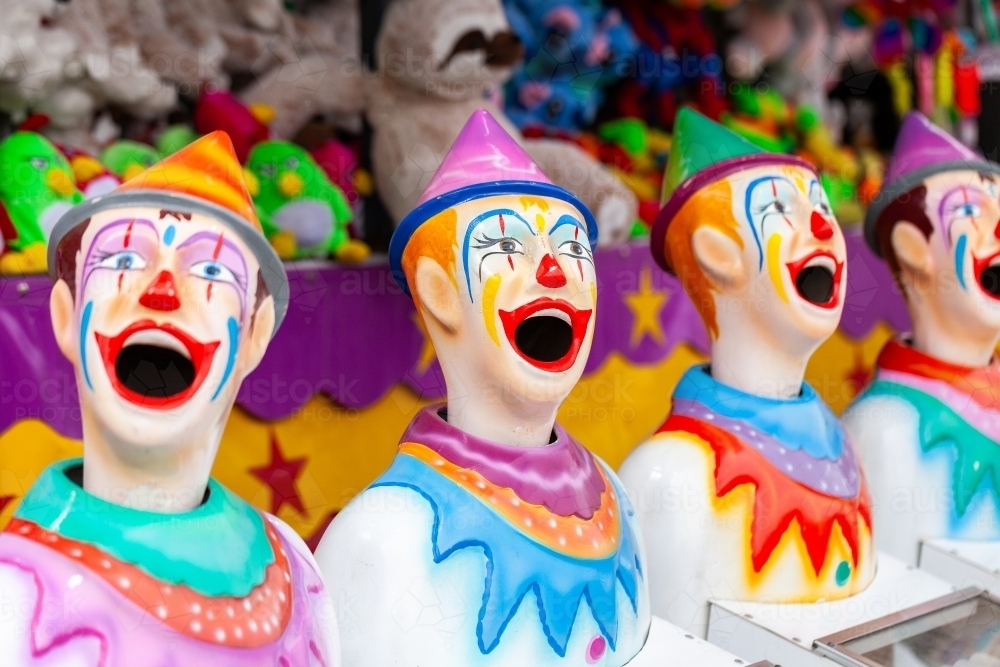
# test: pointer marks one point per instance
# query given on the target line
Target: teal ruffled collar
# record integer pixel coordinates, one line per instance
(219, 548)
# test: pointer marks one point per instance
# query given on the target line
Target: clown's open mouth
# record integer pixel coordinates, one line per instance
(988, 274)
(817, 278)
(547, 333)
(155, 365)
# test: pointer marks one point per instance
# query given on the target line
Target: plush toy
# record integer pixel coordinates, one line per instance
(175, 138)
(127, 158)
(166, 296)
(677, 53)
(529, 537)
(35, 54)
(574, 50)
(776, 504)
(92, 177)
(303, 213)
(36, 188)
(341, 165)
(224, 111)
(467, 49)
(929, 423)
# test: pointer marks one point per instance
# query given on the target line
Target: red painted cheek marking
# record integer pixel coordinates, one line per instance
(579, 265)
(510, 260)
(128, 233)
(502, 226)
(208, 292)
(821, 227)
(121, 276)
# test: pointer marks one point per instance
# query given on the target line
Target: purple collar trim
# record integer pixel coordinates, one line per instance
(840, 478)
(563, 477)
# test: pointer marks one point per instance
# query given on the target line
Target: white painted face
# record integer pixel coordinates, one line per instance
(526, 278)
(793, 251)
(964, 209)
(163, 305)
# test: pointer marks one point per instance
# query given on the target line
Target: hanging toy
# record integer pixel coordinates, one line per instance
(967, 101)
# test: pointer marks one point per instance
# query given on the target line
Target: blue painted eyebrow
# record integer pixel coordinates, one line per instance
(567, 220)
(472, 227)
(750, 190)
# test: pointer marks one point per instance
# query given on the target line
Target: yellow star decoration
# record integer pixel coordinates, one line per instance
(646, 304)
(427, 353)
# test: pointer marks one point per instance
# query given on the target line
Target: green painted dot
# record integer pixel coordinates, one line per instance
(843, 572)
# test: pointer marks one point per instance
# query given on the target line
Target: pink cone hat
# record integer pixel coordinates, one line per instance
(484, 161)
(922, 150)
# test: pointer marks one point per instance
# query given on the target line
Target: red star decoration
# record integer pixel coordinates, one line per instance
(280, 475)
(861, 374)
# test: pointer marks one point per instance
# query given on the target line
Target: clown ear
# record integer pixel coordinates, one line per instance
(912, 248)
(437, 295)
(719, 257)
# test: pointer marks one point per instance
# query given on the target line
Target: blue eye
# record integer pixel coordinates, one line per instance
(215, 271)
(126, 260)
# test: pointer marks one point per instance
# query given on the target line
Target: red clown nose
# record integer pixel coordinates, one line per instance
(550, 274)
(161, 293)
(821, 227)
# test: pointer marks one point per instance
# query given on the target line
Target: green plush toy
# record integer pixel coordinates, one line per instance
(126, 159)
(36, 188)
(303, 213)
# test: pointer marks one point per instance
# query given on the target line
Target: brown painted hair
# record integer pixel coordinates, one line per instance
(911, 207)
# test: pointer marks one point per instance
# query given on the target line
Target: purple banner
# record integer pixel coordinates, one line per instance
(351, 334)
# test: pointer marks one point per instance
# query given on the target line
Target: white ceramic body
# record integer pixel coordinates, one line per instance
(699, 546)
(912, 490)
(396, 606)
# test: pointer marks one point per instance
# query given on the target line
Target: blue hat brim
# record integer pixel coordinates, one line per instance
(430, 208)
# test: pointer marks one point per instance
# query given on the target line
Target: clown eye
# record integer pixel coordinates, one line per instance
(292, 163)
(507, 245)
(575, 249)
(213, 271)
(267, 170)
(127, 260)
(968, 211)
(39, 163)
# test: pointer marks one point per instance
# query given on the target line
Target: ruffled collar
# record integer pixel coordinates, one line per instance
(561, 476)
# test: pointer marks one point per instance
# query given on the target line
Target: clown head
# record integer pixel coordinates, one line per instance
(166, 296)
(937, 224)
(752, 237)
(499, 262)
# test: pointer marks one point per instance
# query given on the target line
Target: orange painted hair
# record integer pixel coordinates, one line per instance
(434, 239)
(711, 206)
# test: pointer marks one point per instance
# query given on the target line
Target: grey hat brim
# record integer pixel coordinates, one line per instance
(907, 182)
(271, 267)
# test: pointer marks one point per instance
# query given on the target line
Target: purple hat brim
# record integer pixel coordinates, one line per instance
(687, 189)
(891, 192)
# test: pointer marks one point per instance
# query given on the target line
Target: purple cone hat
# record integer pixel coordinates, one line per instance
(922, 150)
(484, 161)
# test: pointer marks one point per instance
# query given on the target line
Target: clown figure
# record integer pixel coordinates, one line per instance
(928, 427)
(166, 296)
(751, 490)
(494, 538)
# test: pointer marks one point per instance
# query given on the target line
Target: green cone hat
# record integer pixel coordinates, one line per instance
(703, 152)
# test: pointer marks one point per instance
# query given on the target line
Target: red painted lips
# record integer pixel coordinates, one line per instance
(815, 281)
(547, 333)
(153, 376)
(988, 274)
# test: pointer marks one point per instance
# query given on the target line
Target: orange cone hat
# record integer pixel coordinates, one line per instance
(204, 177)
(207, 169)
